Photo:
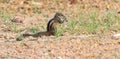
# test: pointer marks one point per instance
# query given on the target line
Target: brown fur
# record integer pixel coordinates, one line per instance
(59, 18)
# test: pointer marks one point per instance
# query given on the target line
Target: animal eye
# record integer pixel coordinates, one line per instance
(59, 16)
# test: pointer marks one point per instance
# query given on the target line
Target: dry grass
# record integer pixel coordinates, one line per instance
(95, 17)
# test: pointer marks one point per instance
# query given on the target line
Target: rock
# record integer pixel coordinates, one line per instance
(17, 20)
(116, 36)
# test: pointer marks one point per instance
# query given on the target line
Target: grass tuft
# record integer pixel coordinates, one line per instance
(34, 29)
(36, 10)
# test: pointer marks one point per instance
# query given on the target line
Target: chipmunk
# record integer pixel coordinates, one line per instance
(59, 18)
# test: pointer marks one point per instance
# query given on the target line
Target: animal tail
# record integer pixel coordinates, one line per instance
(37, 34)
(27, 34)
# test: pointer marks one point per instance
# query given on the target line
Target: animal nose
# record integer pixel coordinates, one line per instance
(66, 20)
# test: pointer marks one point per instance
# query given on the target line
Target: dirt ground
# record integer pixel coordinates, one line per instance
(102, 46)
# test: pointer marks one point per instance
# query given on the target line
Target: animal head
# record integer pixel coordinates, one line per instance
(59, 17)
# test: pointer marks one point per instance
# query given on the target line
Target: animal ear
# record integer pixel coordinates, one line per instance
(57, 14)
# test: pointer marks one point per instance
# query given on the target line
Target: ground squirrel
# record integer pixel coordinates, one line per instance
(59, 18)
